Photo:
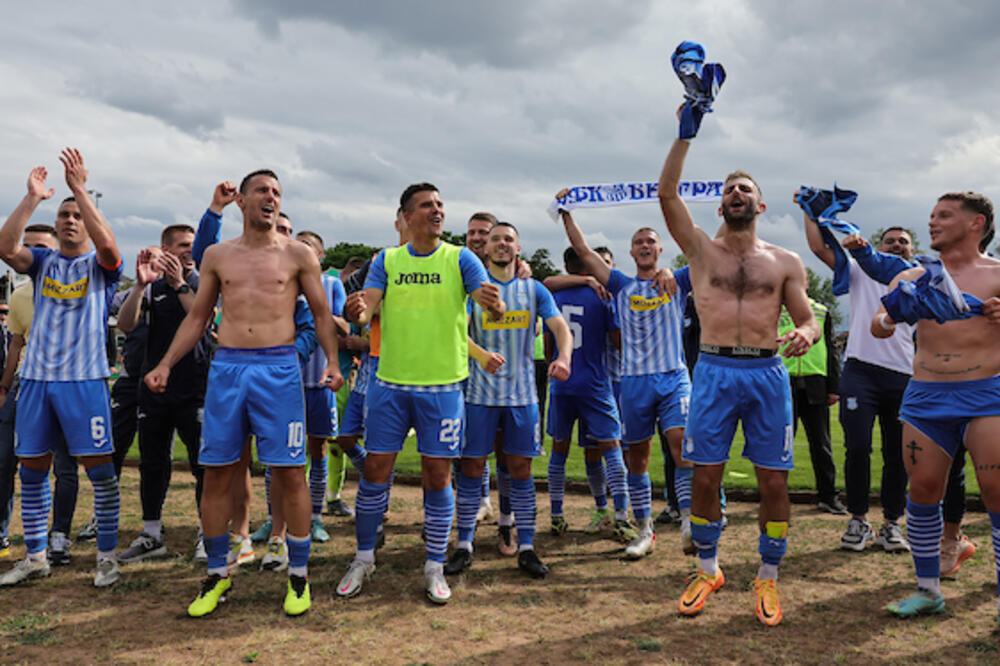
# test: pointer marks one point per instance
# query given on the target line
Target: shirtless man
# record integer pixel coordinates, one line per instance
(954, 394)
(739, 284)
(255, 382)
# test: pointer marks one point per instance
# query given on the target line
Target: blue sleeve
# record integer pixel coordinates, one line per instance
(683, 277)
(209, 232)
(880, 266)
(305, 331)
(376, 273)
(37, 254)
(339, 298)
(610, 316)
(545, 305)
(617, 281)
(468, 306)
(472, 270)
(841, 266)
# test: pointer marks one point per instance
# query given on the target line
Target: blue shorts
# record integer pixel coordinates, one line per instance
(646, 399)
(522, 434)
(728, 390)
(81, 410)
(354, 415)
(258, 391)
(597, 414)
(437, 417)
(942, 410)
(321, 412)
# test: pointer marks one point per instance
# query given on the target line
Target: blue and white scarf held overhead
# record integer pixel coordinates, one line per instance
(619, 194)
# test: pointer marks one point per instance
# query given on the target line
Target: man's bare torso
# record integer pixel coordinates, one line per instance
(739, 295)
(962, 350)
(258, 285)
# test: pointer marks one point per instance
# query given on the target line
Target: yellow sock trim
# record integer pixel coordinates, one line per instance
(776, 530)
(697, 520)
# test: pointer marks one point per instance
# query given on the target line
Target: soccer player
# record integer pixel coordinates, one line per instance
(739, 284)
(507, 400)
(255, 384)
(164, 291)
(954, 395)
(588, 398)
(64, 378)
(655, 387)
(424, 358)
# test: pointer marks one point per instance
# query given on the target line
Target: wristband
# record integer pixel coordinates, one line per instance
(885, 326)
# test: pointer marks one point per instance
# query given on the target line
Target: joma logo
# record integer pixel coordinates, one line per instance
(418, 278)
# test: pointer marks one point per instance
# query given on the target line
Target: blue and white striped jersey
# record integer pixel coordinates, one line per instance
(651, 325)
(336, 297)
(514, 339)
(365, 374)
(613, 355)
(70, 328)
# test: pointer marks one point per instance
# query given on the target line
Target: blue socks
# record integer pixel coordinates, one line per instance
(557, 481)
(107, 504)
(217, 548)
(486, 480)
(267, 489)
(522, 500)
(439, 509)
(469, 489)
(595, 479)
(357, 456)
(317, 484)
(36, 502)
(924, 526)
(616, 478)
(705, 534)
(995, 521)
(503, 485)
(369, 506)
(641, 493)
(298, 553)
(682, 486)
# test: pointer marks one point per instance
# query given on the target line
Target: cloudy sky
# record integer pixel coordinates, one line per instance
(499, 104)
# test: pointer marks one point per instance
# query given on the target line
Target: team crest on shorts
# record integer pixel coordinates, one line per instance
(852, 402)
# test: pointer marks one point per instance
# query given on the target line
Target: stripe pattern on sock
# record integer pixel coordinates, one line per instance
(640, 492)
(995, 522)
(357, 456)
(469, 489)
(522, 501)
(924, 526)
(439, 509)
(107, 505)
(36, 502)
(368, 510)
(503, 486)
(682, 486)
(616, 477)
(317, 483)
(597, 483)
(557, 481)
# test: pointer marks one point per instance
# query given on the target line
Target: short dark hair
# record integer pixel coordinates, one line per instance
(404, 198)
(41, 229)
(508, 225)
(167, 235)
(572, 262)
(259, 172)
(651, 229)
(314, 235)
(485, 217)
(353, 264)
(284, 215)
(740, 173)
(73, 199)
(604, 249)
(977, 203)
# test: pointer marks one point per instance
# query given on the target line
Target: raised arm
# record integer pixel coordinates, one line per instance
(191, 329)
(210, 226)
(882, 325)
(556, 283)
(814, 237)
(97, 227)
(675, 212)
(593, 262)
(879, 266)
(807, 330)
(12, 252)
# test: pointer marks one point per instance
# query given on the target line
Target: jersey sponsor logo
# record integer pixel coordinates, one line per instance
(511, 320)
(55, 289)
(418, 278)
(639, 303)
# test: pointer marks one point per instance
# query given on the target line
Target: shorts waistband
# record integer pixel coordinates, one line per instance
(267, 355)
(747, 362)
(738, 352)
(970, 385)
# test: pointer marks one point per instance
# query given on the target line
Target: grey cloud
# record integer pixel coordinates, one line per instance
(512, 34)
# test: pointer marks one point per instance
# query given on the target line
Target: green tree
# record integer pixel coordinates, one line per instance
(454, 239)
(337, 256)
(821, 291)
(876, 239)
(678, 262)
(541, 264)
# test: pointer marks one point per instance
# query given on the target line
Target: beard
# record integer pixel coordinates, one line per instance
(502, 263)
(740, 221)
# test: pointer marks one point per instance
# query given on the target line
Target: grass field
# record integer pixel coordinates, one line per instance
(593, 608)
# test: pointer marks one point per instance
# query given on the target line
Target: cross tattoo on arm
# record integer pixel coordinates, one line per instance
(912, 446)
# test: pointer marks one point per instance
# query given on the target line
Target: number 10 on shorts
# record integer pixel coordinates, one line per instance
(296, 434)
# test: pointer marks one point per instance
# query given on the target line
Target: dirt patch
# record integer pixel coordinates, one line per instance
(594, 607)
